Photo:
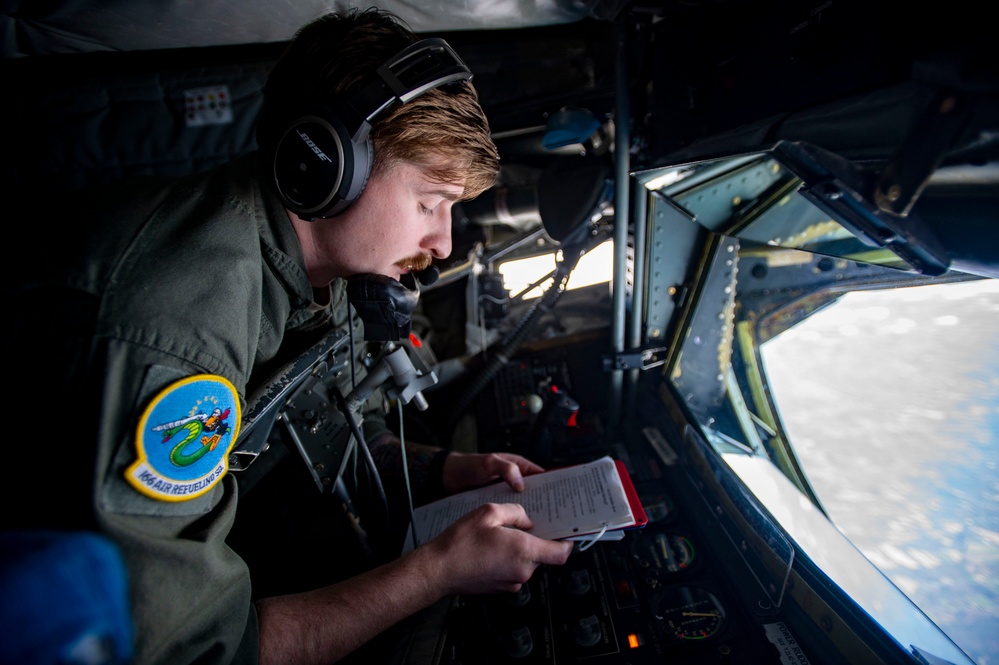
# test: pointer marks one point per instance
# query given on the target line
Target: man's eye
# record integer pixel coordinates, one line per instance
(425, 210)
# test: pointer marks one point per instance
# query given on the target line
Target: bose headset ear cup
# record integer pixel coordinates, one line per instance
(317, 168)
(322, 157)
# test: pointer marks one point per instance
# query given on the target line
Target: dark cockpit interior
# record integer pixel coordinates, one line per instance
(736, 167)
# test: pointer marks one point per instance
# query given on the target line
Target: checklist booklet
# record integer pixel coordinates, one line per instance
(588, 501)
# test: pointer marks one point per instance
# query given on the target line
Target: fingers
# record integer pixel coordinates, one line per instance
(513, 468)
(505, 514)
(490, 550)
(554, 552)
(513, 476)
(527, 467)
(466, 470)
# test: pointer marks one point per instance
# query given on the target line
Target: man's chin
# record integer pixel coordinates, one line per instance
(398, 271)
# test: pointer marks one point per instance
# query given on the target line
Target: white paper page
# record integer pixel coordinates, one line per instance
(567, 502)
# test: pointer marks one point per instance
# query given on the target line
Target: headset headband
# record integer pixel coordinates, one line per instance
(419, 67)
(322, 159)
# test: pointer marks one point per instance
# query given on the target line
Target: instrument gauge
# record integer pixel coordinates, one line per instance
(689, 613)
(658, 507)
(664, 553)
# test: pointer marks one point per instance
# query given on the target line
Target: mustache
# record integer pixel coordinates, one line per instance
(416, 263)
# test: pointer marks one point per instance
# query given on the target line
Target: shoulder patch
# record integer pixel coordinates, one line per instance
(184, 437)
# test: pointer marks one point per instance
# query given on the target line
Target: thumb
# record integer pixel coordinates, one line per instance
(513, 515)
(513, 477)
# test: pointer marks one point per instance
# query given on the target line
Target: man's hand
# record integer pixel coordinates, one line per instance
(488, 551)
(464, 471)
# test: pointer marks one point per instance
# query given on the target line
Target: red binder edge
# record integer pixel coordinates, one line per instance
(637, 509)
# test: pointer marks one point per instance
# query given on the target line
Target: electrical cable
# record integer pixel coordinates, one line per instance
(533, 285)
(513, 341)
(351, 312)
(373, 476)
(353, 351)
(405, 475)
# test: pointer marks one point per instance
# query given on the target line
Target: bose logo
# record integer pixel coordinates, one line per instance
(315, 148)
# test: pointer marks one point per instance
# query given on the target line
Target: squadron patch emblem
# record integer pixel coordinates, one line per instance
(184, 437)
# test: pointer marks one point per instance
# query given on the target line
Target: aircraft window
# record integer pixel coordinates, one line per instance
(890, 400)
(594, 267)
(796, 196)
(800, 423)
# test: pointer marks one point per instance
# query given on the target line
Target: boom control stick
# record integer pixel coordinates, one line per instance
(408, 381)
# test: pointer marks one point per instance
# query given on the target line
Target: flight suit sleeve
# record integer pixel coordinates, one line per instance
(190, 592)
(424, 464)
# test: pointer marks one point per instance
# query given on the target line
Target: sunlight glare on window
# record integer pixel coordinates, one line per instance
(594, 267)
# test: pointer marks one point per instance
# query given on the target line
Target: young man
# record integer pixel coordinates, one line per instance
(163, 304)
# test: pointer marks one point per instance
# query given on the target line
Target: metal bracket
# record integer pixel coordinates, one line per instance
(265, 406)
(321, 433)
(254, 443)
(636, 359)
(407, 381)
(934, 133)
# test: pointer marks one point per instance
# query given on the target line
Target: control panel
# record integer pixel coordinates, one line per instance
(672, 592)
(654, 596)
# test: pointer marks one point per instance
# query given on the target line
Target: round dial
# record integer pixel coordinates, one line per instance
(689, 612)
(658, 507)
(663, 554)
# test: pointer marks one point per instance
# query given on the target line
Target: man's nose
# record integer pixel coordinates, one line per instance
(438, 242)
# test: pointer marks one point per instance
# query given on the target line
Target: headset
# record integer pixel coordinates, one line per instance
(322, 160)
